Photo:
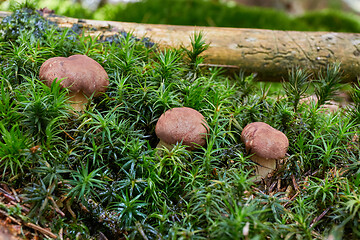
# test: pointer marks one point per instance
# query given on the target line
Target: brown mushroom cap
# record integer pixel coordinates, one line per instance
(182, 124)
(264, 140)
(81, 74)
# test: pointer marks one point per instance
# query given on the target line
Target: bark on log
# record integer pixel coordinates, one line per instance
(269, 53)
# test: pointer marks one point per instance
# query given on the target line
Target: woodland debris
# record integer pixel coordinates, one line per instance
(14, 224)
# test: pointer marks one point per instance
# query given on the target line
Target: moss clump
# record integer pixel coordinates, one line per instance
(23, 20)
(330, 20)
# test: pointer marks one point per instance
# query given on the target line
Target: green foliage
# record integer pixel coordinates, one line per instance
(324, 192)
(330, 20)
(42, 198)
(102, 165)
(198, 13)
(218, 14)
(8, 106)
(14, 153)
(84, 183)
(128, 209)
(198, 46)
(43, 109)
(209, 13)
(297, 85)
(328, 84)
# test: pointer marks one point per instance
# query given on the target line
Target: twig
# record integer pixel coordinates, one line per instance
(314, 173)
(10, 217)
(57, 209)
(102, 236)
(320, 217)
(5, 187)
(30, 225)
(68, 207)
(67, 134)
(61, 232)
(257, 190)
(15, 195)
(40, 229)
(308, 173)
(117, 106)
(84, 208)
(15, 177)
(292, 198)
(279, 184)
(272, 186)
(13, 200)
(141, 231)
(296, 186)
(7, 195)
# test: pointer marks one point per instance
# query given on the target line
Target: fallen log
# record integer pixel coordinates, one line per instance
(268, 53)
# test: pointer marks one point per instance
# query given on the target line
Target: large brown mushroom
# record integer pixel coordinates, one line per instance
(83, 76)
(184, 125)
(267, 144)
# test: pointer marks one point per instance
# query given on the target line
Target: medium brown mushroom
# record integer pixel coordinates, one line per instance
(267, 144)
(184, 125)
(83, 76)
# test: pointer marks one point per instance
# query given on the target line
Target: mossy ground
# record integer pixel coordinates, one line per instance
(97, 173)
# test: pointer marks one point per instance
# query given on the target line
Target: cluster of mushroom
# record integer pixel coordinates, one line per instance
(85, 78)
(266, 144)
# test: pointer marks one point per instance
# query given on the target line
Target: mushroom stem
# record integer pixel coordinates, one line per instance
(78, 101)
(162, 144)
(264, 166)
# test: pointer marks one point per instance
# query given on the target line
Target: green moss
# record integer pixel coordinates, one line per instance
(207, 13)
(330, 20)
(200, 13)
(214, 13)
(98, 172)
(23, 20)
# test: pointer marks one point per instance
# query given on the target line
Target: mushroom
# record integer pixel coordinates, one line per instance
(267, 144)
(83, 76)
(184, 125)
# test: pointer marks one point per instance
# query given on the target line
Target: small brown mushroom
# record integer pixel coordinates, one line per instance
(83, 76)
(181, 124)
(267, 144)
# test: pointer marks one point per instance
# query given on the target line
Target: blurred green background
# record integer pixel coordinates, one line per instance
(282, 15)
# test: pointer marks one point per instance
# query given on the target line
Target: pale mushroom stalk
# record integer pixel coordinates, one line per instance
(77, 101)
(162, 144)
(267, 144)
(264, 165)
